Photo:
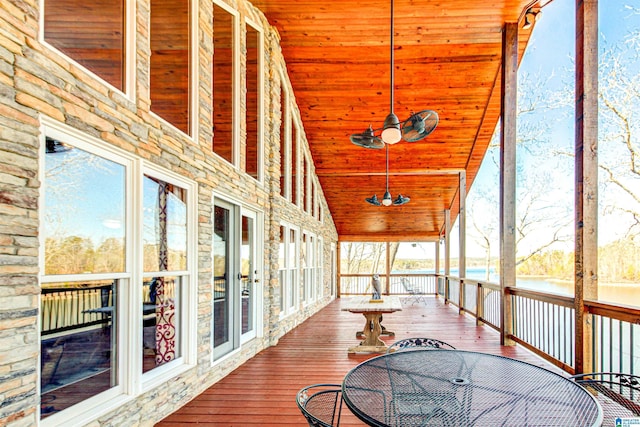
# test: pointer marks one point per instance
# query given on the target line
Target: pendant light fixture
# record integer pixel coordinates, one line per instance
(413, 129)
(387, 199)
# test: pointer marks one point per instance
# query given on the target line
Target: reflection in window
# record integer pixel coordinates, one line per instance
(253, 102)
(282, 268)
(77, 342)
(303, 187)
(90, 33)
(165, 226)
(295, 181)
(293, 266)
(160, 321)
(221, 279)
(285, 180)
(83, 226)
(223, 82)
(169, 63)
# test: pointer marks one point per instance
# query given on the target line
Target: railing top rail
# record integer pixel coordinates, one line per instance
(615, 311)
(390, 274)
(549, 297)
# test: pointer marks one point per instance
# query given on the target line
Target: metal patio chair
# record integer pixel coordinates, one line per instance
(414, 293)
(418, 343)
(618, 394)
(321, 404)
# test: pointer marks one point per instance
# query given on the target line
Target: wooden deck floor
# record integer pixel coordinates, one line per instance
(262, 391)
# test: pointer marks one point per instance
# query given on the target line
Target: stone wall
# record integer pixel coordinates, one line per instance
(36, 81)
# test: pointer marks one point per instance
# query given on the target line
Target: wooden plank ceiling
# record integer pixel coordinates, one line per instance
(447, 59)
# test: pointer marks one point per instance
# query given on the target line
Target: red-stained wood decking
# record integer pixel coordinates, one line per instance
(262, 391)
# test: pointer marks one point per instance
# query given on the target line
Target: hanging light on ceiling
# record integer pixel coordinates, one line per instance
(387, 200)
(529, 18)
(415, 128)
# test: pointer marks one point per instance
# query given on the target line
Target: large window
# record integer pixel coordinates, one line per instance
(225, 83)
(165, 256)
(285, 140)
(90, 33)
(169, 74)
(253, 164)
(295, 176)
(89, 300)
(304, 187)
(83, 231)
(288, 269)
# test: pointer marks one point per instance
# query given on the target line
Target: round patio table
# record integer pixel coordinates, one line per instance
(463, 388)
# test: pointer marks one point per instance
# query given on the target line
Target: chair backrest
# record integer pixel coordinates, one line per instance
(418, 343)
(618, 394)
(321, 404)
(408, 287)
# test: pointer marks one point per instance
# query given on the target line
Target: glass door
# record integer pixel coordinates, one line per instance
(249, 275)
(236, 293)
(224, 278)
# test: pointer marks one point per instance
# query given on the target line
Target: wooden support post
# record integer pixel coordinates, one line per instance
(388, 274)
(339, 279)
(437, 263)
(508, 133)
(447, 253)
(462, 234)
(462, 222)
(586, 178)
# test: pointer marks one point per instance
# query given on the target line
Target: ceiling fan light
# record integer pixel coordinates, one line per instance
(386, 200)
(391, 129)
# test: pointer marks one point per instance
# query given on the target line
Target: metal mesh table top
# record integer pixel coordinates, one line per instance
(462, 388)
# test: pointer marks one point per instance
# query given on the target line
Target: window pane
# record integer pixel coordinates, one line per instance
(293, 250)
(247, 253)
(282, 267)
(253, 101)
(303, 186)
(284, 171)
(618, 150)
(223, 81)
(294, 164)
(161, 311)
(84, 221)
(221, 279)
(169, 67)
(165, 226)
(77, 342)
(91, 33)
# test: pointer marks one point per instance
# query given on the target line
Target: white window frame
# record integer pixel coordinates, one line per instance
(260, 95)
(131, 381)
(235, 78)
(193, 77)
(319, 267)
(189, 327)
(285, 140)
(296, 167)
(129, 59)
(290, 288)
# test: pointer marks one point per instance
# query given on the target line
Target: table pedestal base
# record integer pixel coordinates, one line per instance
(367, 349)
(371, 333)
(385, 331)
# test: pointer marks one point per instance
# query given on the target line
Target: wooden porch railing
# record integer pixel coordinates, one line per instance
(542, 322)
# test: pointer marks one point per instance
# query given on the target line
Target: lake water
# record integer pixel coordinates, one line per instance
(626, 294)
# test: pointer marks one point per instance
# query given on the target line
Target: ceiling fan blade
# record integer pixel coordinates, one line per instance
(419, 125)
(373, 200)
(367, 139)
(401, 200)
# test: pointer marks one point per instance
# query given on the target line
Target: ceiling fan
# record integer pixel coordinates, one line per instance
(418, 126)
